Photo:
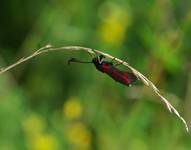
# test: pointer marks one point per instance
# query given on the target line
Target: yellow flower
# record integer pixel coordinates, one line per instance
(112, 30)
(72, 109)
(79, 136)
(43, 142)
(33, 125)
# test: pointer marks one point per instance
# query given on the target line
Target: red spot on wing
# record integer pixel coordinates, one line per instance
(115, 73)
(105, 68)
(128, 77)
(124, 77)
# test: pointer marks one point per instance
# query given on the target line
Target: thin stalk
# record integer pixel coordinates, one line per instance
(91, 51)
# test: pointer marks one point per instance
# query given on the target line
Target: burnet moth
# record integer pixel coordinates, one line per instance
(121, 76)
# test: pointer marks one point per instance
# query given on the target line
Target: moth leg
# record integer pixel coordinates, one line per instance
(116, 64)
(119, 63)
(113, 59)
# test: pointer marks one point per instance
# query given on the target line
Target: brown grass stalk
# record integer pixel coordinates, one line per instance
(140, 76)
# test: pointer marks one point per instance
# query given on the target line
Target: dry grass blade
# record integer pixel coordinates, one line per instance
(140, 76)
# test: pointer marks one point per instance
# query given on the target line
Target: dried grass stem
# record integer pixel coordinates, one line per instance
(140, 76)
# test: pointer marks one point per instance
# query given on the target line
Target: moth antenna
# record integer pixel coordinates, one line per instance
(77, 61)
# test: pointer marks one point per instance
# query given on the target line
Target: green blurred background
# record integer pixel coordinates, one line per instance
(47, 105)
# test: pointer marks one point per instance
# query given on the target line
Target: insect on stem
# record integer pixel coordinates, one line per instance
(107, 67)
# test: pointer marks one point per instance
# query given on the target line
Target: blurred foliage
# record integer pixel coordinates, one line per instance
(47, 105)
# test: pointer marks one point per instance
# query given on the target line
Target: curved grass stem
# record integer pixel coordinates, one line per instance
(140, 76)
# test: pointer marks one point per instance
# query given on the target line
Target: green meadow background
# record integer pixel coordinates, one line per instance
(47, 105)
